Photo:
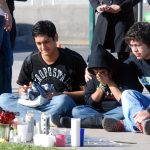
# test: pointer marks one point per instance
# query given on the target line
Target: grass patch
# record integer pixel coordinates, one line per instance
(16, 146)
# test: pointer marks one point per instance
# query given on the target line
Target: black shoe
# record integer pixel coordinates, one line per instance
(65, 122)
(146, 126)
(91, 122)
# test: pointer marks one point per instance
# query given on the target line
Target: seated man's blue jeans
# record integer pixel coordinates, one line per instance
(57, 107)
(132, 102)
(86, 111)
(6, 59)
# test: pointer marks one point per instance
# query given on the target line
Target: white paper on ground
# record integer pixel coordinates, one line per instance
(33, 103)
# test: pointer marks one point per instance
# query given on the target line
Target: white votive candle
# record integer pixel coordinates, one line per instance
(75, 132)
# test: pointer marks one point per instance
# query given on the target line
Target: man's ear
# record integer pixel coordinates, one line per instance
(56, 37)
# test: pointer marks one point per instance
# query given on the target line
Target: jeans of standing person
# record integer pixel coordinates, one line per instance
(1, 29)
(85, 111)
(57, 107)
(132, 102)
(6, 59)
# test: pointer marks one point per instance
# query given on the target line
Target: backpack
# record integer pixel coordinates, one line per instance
(29, 62)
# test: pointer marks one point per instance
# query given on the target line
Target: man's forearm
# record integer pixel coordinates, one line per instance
(4, 7)
(78, 96)
(98, 94)
(8, 17)
(115, 91)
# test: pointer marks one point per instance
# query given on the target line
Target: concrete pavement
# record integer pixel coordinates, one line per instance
(123, 141)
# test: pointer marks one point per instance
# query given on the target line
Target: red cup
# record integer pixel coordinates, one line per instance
(60, 140)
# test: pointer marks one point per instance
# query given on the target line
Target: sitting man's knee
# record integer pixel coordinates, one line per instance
(126, 94)
(64, 100)
(76, 111)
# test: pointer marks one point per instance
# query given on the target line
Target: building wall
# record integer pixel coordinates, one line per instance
(72, 21)
(53, 2)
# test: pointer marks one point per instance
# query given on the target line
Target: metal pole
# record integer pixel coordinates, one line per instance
(91, 24)
(140, 11)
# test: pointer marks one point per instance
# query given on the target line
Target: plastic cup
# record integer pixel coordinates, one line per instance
(60, 140)
(22, 132)
(4, 131)
(81, 137)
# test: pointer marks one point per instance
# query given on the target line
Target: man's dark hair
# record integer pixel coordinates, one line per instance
(44, 27)
(140, 31)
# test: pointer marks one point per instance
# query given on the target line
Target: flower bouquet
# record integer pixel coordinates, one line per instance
(6, 119)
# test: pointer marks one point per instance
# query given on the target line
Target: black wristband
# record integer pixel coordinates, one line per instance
(103, 87)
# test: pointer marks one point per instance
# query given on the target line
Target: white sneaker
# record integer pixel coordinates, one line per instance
(33, 103)
(51, 123)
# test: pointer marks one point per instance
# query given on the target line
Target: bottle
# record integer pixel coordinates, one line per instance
(29, 119)
(44, 123)
(37, 128)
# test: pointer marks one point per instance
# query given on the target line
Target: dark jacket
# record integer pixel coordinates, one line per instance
(11, 6)
(110, 29)
(143, 69)
(123, 74)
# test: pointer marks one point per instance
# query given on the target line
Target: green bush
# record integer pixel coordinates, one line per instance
(147, 17)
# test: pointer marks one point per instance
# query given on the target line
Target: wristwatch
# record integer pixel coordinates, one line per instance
(148, 109)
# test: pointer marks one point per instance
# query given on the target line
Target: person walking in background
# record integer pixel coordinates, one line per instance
(136, 106)
(60, 70)
(6, 55)
(115, 18)
(103, 92)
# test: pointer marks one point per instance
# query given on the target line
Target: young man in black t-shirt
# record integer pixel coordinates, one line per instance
(136, 106)
(59, 71)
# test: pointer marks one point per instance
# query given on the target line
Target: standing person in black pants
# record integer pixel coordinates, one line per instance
(13, 33)
(11, 7)
(6, 56)
(114, 20)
